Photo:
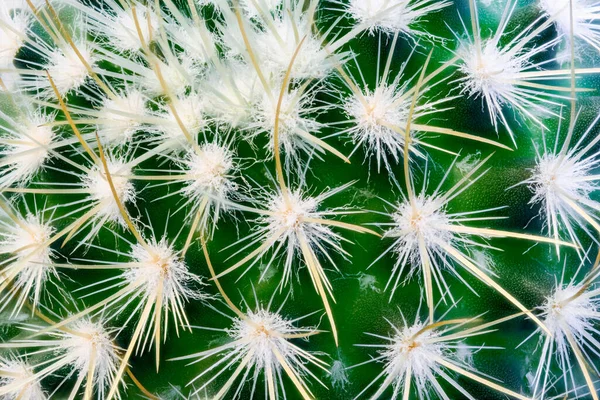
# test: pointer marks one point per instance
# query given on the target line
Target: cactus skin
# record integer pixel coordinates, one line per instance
(384, 199)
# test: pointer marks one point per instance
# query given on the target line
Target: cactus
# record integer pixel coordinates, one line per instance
(299, 199)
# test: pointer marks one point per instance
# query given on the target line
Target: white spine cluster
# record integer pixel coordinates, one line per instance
(101, 192)
(118, 27)
(92, 344)
(15, 25)
(292, 217)
(67, 70)
(392, 16)
(265, 331)
(25, 145)
(425, 352)
(411, 350)
(423, 220)
(156, 266)
(571, 313)
(563, 184)
(211, 173)
(16, 371)
(505, 73)
(30, 259)
(554, 182)
(586, 14)
(125, 115)
(262, 344)
(296, 123)
(119, 118)
(378, 117)
(565, 311)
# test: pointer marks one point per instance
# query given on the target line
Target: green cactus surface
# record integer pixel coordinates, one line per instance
(299, 199)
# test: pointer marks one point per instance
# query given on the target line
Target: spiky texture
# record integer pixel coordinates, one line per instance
(335, 160)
